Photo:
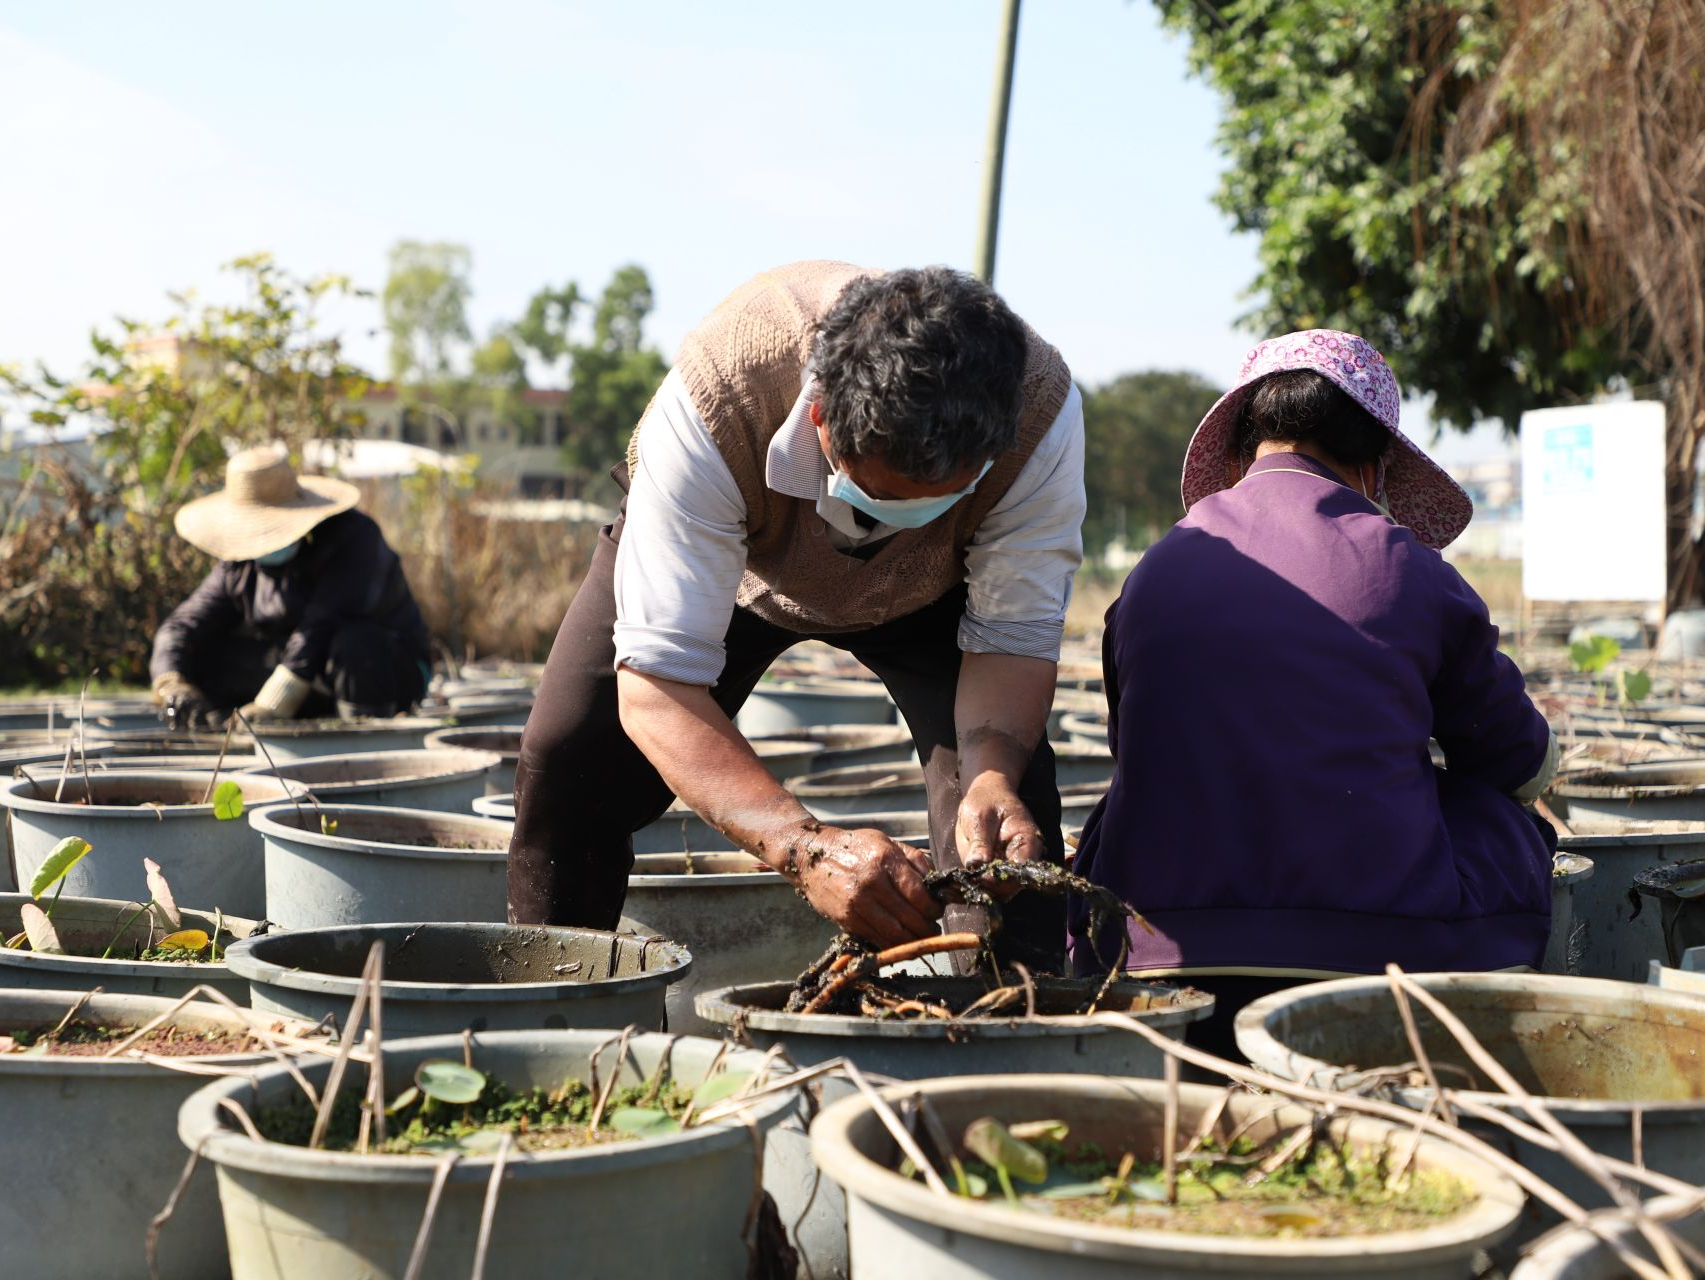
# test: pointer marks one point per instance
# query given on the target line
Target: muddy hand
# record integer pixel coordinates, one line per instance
(869, 884)
(995, 824)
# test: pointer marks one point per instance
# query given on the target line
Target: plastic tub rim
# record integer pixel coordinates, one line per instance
(258, 969)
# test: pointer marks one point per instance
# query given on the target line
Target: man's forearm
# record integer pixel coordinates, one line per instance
(1001, 710)
(711, 767)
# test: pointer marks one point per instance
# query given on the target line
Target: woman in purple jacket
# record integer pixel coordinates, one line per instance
(1275, 668)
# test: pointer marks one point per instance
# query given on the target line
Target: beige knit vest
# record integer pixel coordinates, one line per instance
(744, 367)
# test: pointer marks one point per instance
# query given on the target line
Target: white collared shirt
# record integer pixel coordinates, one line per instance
(683, 547)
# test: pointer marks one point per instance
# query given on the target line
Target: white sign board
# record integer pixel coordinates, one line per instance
(1592, 492)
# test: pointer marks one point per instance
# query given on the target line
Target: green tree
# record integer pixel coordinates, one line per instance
(1339, 116)
(426, 308)
(1500, 194)
(1136, 429)
(614, 375)
(89, 561)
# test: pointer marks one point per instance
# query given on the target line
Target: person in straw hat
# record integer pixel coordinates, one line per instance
(307, 614)
(1275, 667)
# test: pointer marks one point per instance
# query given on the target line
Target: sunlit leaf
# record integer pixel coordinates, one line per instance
(719, 1087)
(165, 907)
(185, 940)
(482, 1142)
(447, 1081)
(227, 801)
(1593, 654)
(1633, 686)
(42, 935)
(1039, 1130)
(990, 1141)
(408, 1097)
(643, 1122)
(1075, 1190)
(65, 855)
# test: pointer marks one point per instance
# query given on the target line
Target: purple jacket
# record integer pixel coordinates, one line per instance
(1275, 666)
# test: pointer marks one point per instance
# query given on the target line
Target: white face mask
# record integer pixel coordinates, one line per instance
(902, 513)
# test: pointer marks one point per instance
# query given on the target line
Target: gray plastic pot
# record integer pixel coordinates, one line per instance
(139, 814)
(681, 830)
(24, 757)
(502, 739)
(379, 864)
(1085, 729)
(233, 762)
(741, 921)
(94, 922)
(29, 761)
(1563, 949)
(498, 707)
(302, 739)
(778, 707)
(1057, 1040)
(444, 978)
(666, 1207)
(25, 715)
(899, 1227)
(1656, 791)
(917, 1050)
(1071, 702)
(848, 793)
(1598, 1052)
(90, 1146)
(846, 745)
(1573, 1253)
(1611, 934)
(787, 757)
(443, 778)
(501, 808)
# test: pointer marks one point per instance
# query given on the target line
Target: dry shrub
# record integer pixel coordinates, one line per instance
(488, 586)
(84, 581)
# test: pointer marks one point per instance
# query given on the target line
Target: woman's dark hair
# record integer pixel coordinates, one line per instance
(922, 369)
(1301, 406)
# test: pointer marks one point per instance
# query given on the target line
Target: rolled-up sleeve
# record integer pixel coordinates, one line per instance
(1020, 563)
(683, 547)
(1482, 717)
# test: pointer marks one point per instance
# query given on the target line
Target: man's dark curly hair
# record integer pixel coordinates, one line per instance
(922, 369)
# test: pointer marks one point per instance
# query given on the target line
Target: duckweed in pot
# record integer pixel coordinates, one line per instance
(453, 1107)
(1316, 1189)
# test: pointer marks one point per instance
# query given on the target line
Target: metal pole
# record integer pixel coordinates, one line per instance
(994, 152)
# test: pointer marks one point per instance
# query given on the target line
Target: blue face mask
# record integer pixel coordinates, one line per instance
(284, 555)
(902, 513)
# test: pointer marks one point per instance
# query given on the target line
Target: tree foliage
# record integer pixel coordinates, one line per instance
(611, 373)
(1338, 119)
(426, 308)
(1136, 429)
(89, 560)
(1503, 195)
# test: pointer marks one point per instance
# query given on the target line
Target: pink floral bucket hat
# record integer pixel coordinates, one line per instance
(1418, 492)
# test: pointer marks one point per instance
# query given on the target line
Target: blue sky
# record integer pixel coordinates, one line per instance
(145, 145)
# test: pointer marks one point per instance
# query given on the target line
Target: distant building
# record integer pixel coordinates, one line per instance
(529, 457)
(1495, 532)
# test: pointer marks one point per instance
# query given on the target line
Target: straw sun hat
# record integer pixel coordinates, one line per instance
(1419, 493)
(263, 507)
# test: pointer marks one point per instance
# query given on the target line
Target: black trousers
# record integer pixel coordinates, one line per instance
(367, 668)
(582, 787)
